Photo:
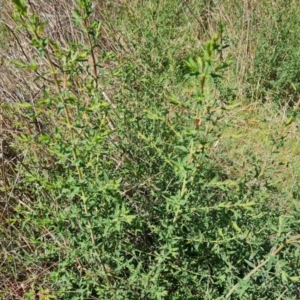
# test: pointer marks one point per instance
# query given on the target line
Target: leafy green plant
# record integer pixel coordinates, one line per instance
(125, 200)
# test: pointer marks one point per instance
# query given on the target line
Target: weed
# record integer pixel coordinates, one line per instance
(121, 187)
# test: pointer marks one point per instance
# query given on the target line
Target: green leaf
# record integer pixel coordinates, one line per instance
(289, 121)
(152, 116)
(21, 6)
(232, 106)
(191, 64)
(44, 138)
(176, 102)
(236, 227)
(20, 64)
(77, 16)
(284, 277)
(182, 148)
(24, 105)
(129, 218)
(60, 106)
(250, 263)
(295, 278)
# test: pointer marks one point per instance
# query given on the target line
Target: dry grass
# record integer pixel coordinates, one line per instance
(249, 141)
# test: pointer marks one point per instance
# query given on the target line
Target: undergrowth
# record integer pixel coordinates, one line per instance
(118, 177)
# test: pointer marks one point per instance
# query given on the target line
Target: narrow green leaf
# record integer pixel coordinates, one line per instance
(182, 148)
(250, 263)
(24, 105)
(21, 6)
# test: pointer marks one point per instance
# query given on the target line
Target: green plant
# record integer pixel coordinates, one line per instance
(126, 199)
